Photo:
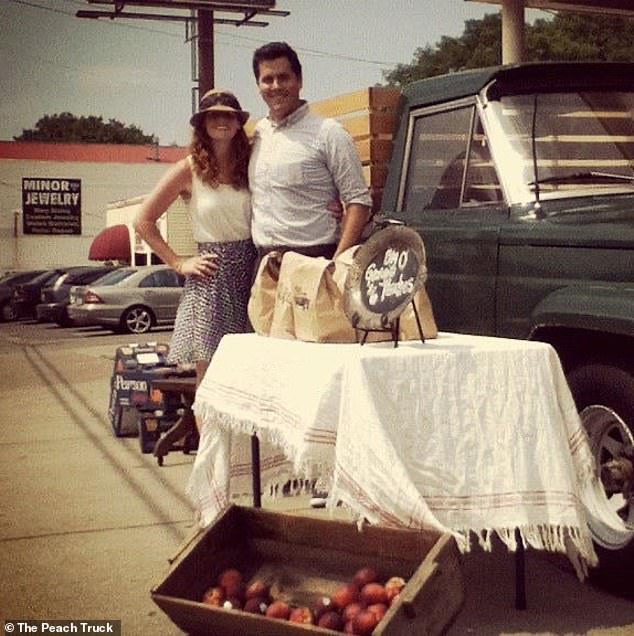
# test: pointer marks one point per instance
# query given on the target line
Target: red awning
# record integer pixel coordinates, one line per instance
(111, 244)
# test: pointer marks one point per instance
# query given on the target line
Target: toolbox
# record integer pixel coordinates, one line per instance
(307, 558)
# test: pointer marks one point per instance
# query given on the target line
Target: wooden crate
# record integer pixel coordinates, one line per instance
(307, 558)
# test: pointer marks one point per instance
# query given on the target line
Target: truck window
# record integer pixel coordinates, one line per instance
(437, 174)
(482, 185)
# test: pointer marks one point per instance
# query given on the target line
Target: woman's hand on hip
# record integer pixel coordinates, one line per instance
(202, 265)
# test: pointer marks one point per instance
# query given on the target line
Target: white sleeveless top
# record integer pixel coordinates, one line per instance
(219, 214)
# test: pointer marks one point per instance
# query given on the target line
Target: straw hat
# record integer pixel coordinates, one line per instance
(219, 100)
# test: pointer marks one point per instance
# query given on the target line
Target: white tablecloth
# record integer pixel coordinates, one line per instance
(468, 434)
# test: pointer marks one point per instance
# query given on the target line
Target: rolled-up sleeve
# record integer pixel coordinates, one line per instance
(345, 165)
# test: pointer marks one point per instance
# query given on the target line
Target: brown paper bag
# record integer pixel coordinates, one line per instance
(263, 291)
(309, 303)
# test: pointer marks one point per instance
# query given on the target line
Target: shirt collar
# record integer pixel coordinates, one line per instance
(294, 117)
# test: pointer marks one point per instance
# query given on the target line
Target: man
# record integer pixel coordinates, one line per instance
(300, 163)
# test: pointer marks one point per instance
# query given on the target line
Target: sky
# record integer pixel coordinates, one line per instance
(140, 72)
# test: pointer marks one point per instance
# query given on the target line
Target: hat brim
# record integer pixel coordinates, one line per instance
(242, 115)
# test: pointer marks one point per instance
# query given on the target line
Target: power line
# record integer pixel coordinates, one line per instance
(226, 36)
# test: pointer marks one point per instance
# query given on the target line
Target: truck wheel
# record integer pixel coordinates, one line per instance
(604, 395)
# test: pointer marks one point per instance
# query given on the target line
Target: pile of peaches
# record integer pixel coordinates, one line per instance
(354, 608)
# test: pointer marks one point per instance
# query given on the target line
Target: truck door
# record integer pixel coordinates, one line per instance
(450, 193)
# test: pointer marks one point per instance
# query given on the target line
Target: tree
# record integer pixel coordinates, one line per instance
(565, 37)
(67, 127)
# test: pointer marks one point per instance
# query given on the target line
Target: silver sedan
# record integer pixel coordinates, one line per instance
(129, 299)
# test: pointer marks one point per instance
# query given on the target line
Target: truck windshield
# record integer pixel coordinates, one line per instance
(554, 145)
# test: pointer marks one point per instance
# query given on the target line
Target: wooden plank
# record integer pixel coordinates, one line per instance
(342, 104)
(369, 99)
(362, 126)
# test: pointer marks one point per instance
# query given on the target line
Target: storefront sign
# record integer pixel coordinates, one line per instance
(51, 205)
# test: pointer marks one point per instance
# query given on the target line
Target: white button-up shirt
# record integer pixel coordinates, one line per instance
(297, 167)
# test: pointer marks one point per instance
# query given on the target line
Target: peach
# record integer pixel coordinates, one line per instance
(278, 609)
(350, 611)
(323, 605)
(256, 605)
(331, 620)
(348, 628)
(378, 609)
(234, 589)
(364, 622)
(373, 593)
(230, 577)
(393, 587)
(364, 576)
(214, 596)
(345, 595)
(301, 615)
(257, 588)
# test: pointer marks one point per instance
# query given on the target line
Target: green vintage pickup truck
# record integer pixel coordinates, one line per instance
(520, 180)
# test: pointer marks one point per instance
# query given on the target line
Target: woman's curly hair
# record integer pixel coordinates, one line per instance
(206, 163)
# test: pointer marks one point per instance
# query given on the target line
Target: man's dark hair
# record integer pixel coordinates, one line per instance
(273, 51)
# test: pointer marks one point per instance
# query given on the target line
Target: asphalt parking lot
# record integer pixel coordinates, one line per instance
(88, 522)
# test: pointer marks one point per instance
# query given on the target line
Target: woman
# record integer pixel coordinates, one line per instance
(213, 179)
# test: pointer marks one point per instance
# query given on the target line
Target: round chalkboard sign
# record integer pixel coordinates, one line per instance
(386, 272)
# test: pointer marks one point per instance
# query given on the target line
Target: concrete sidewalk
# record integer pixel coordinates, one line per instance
(88, 523)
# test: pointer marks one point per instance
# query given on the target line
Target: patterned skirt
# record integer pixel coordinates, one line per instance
(215, 305)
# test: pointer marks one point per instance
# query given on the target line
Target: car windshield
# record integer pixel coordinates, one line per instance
(554, 145)
(114, 277)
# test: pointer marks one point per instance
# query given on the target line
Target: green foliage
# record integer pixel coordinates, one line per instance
(565, 37)
(66, 127)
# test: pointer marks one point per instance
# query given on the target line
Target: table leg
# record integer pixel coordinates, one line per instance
(255, 471)
(184, 426)
(520, 573)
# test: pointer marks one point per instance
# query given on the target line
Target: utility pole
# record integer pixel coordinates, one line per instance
(206, 80)
(204, 13)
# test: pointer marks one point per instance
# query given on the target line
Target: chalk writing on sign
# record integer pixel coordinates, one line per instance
(389, 280)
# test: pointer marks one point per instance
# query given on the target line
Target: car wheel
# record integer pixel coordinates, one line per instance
(137, 320)
(8, 312)
(604, 395)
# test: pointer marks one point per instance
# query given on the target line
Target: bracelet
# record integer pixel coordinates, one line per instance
(178, 266)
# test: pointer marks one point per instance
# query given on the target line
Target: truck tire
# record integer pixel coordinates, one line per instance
(604, 395)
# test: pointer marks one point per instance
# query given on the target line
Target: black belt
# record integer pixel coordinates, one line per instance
(326, 250)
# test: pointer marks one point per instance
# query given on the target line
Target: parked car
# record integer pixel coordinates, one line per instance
(8, 282)
(129, 299)
(26, 296)
(55, 298)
